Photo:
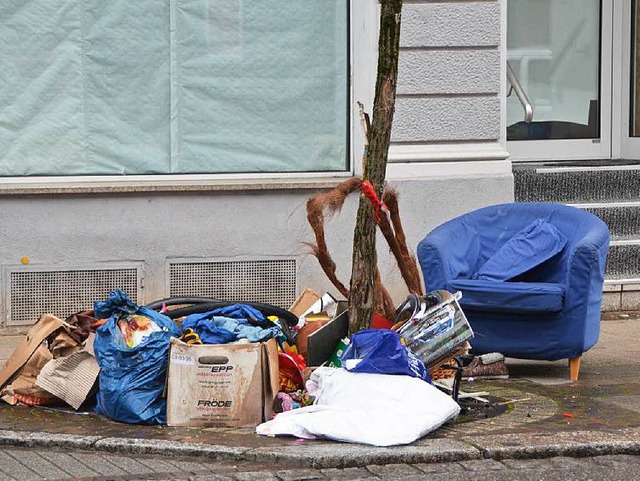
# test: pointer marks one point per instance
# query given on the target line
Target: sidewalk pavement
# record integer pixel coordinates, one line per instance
(541, 414)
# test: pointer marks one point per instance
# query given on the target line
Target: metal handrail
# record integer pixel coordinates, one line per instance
(516, 86)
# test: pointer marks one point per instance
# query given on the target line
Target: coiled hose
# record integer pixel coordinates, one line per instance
(198, 305)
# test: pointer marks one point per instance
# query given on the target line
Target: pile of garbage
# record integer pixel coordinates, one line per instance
(207, 362)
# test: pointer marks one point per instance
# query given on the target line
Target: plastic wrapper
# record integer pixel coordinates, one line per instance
(380, 351)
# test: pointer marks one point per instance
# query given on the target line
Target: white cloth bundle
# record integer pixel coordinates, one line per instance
(377, 409)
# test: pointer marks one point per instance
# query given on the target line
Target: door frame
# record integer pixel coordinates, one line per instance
(582, 149)
(628, 147)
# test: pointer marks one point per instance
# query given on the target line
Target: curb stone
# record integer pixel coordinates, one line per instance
(580, 450)
(430, 451)
(38, 439)
(171, 448)
(340, 455)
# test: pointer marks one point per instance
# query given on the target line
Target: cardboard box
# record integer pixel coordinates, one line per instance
(221, 385)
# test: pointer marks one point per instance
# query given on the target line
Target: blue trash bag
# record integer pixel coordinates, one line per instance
(132, 379)
(380, 351)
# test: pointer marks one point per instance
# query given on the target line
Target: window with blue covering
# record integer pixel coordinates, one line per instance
(173, 87)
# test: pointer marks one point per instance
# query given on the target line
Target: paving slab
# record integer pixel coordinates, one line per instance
(336, 474)
(69, 465)
(99, 463)
(398, 470)
(631, 402)
(483, 465)
(38, 464)
(210, 477)
(299, 474)
(430, 468)
(12, 467)
(258, 476)
(128, 464)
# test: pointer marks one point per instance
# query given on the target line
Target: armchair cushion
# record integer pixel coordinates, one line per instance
(515, 297)
(528, 248)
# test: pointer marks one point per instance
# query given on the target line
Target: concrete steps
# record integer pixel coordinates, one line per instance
(622, 218)
(577, 183)
(609, 189)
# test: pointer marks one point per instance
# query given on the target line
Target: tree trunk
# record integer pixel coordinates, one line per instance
(364, 261)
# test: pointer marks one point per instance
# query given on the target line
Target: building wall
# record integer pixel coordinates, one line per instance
(449, 73)
(447, 158)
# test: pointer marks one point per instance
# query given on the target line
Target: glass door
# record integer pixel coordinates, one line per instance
(559, 101)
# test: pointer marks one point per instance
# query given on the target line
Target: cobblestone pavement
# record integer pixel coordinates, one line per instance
(36, 465)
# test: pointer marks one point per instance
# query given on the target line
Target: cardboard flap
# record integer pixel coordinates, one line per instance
(71, 378)
(43, 328)
(63, 344)
(303, 302)
(271, 377)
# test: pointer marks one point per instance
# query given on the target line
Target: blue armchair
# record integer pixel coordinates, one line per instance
(531, 277)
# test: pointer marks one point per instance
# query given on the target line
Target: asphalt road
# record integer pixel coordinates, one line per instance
(42, 464)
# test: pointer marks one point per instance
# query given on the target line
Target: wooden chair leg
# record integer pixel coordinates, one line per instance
(574, 367)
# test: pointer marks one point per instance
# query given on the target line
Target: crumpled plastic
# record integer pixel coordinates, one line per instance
(117, 303)
(380, 351)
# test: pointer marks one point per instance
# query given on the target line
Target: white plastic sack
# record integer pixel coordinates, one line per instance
(377, 409)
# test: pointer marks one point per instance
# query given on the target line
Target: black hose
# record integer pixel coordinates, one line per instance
(265, 309)
(174, 301)
(204, 304)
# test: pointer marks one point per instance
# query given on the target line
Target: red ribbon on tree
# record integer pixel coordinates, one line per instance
(370, 193)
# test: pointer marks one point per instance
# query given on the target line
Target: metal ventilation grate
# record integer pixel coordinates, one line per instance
(33, 293)
(269, 281)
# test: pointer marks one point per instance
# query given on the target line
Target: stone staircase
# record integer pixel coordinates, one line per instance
(611, 190)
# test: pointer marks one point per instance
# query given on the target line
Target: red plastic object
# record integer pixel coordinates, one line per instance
(380, 322)
(291, 378)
